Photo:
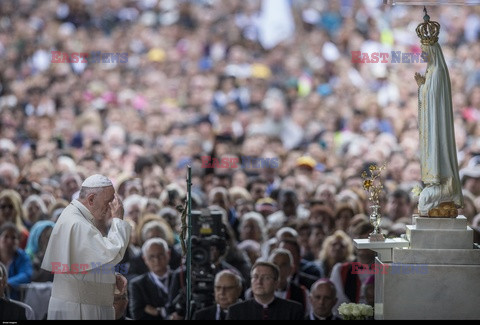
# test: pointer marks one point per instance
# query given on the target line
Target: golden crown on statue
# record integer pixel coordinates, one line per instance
(428, 30)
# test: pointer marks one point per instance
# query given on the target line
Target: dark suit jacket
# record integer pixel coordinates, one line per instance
(11, 311)
(207, 313)
(143, 291)
(279, 309)
(294, 292)
(302, 278)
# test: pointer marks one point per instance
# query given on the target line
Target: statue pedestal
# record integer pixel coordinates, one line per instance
(439, 233)
(433, 277)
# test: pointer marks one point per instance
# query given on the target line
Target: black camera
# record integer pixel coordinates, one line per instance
(208, 244)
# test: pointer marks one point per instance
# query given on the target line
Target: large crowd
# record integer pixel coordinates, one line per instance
(200, 83)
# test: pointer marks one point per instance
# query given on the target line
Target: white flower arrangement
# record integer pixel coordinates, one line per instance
(353, 311)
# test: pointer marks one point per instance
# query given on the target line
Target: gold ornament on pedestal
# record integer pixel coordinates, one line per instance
(372, 184)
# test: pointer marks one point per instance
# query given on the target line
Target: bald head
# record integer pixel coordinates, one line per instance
(323, 296)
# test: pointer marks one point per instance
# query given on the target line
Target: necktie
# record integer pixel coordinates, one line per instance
(161, 282)
(223, 314)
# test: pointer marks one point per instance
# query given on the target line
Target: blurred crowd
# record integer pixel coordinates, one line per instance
(199, 81)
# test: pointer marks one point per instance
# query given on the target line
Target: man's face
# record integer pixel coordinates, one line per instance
(226, 291)
(100, 208)
(157, 259)
(263, 282)
(258, 191)
(134, 212)
(69, 187)
(152, 187)
(323, 299)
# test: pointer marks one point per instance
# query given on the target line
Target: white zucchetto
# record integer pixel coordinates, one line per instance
(97, 180)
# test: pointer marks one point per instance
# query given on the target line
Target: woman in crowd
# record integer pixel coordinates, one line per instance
(36, 246)
(11, 211)
(15, 258)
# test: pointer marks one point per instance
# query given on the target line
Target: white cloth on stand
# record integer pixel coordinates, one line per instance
(37, 295)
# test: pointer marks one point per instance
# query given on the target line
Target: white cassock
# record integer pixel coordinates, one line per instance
(74, 242)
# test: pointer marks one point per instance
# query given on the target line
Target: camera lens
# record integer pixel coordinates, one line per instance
(200, 256)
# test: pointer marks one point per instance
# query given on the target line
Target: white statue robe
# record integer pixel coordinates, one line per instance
(438, 153)
(75, 242)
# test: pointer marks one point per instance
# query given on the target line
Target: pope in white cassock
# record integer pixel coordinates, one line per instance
(82, 252)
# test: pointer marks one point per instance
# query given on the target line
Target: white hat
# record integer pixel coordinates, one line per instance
(97, 180)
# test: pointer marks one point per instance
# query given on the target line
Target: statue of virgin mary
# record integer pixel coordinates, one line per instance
(442, 194)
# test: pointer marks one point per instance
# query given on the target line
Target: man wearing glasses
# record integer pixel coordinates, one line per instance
(264, 304)
(227, 288)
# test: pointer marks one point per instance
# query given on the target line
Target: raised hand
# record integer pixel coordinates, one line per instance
(419, 79)
(116, 207)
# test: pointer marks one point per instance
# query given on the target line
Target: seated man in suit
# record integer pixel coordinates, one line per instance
(149, 298)
(323, 296)
(264, 305)
(227, 288)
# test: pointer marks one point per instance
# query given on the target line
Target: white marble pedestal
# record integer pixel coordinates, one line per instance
(427, 291)
(432, 274)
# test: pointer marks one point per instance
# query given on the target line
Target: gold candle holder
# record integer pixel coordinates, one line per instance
(373, 185)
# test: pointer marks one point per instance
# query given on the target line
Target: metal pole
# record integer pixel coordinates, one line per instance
(189, 242)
